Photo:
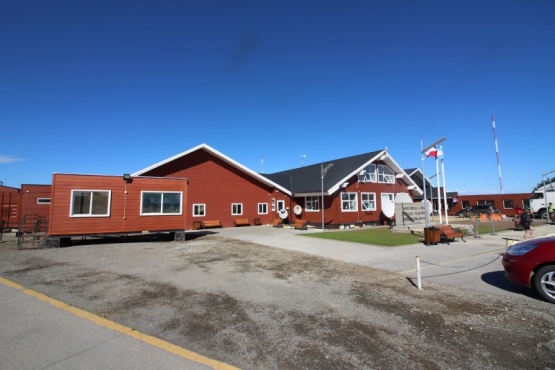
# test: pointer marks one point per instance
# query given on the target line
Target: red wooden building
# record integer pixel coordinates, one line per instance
(35, 200)
(221, 188)
(94, 204)
(29, 200)
(355, 189)
(506, 203)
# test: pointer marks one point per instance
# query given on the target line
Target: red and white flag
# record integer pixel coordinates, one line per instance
(432, 152)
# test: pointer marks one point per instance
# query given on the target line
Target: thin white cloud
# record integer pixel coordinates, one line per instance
(8, 159)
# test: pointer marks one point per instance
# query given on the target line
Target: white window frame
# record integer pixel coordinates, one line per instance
(351, 203)
(369, 175)
(385, 174)
(199, 210)
(236, 209)
(262, 208)
(44, 200)
(280, 205)
(91, 203)
(389, 196)
(312, 204)
(273, 204)
(511, 205)
(368, 204)
(161, 212)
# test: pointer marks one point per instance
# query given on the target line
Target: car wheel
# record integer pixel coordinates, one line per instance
(544, 283)
(543, 215)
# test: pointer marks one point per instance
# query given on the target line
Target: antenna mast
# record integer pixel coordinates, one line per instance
(302, 160)
(497, 153)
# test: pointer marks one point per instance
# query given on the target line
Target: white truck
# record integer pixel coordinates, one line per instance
(541, 199)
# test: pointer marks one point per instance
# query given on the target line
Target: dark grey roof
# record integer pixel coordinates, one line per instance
(308, 179)
(416, 176)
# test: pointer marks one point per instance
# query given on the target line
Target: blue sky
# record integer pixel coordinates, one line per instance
(112, 87)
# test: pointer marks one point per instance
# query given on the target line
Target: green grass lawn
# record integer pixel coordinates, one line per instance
(374, 236)
(386, 237)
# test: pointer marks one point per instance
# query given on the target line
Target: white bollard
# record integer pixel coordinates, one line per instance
(418, 277)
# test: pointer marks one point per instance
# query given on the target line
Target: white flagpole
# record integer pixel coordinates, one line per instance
(444, 185)
(426, 210)
(438, 190)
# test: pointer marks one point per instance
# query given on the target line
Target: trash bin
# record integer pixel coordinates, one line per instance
(431, 235)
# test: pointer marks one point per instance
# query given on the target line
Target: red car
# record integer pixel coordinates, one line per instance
(532, 263)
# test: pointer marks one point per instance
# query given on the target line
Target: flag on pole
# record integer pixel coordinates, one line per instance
(439, 153)
(432, 152)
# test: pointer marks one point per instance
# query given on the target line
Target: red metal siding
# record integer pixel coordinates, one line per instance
(518, 200)
(28, 200)
(9, 204)
(218, 184)
(124, 209)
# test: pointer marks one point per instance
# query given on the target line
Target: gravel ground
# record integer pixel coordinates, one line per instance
(258, 307)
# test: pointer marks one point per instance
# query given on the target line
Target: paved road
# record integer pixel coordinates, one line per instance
(38, 332)
(474, 264)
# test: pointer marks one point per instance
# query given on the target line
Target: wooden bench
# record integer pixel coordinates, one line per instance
(277, 222)
(299, 225)
(211, 223)
(242, 222)
(447, 232)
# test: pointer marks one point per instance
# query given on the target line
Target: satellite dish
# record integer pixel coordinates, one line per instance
(282, 213)
(298, 209)
(388, 208)
(403, 198)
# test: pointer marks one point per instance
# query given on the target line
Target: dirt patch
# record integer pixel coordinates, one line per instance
(264, 308)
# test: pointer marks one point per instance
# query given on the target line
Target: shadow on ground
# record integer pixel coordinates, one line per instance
(498, 280)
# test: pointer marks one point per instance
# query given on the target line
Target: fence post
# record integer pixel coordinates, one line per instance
(418, 277)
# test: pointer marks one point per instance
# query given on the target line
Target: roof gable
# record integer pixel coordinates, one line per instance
(219, 155)
(308, 179)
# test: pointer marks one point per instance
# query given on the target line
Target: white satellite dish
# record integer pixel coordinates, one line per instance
(298, 209)
(388, 208)
(282, 213)
(403, 198)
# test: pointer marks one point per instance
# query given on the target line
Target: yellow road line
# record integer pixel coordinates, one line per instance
(153, 341)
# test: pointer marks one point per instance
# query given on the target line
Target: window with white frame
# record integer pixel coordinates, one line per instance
(262, 208)
(312, 204)
(236, 209)
(385, 174)
(43, 200)
(155, 203)
(349, 202)
(368, 174)
(273, 204)
(90, 203)
(486, 202)
(508, 204)
(199, 210)
(368, 201)
(388, 196)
